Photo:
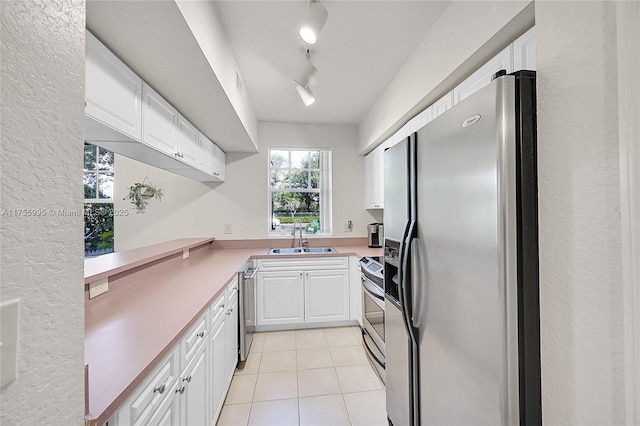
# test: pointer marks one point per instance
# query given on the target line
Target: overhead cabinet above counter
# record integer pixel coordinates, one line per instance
(519, 55)
(125, 115)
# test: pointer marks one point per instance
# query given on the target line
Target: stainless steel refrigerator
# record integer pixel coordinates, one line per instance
(461, 264)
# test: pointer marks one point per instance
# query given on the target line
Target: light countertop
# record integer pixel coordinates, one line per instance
(129, 329)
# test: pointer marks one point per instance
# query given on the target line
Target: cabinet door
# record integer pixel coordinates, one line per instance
(280, 298)
(218, 378)
(206, 158)
(219, 171)
(524, 51)
(231, 338)
(113, 92)
(326, 296)
(167, 413)
(188, 143)
(374, 179)
(482, 77)
(193, 391)
(159, 122)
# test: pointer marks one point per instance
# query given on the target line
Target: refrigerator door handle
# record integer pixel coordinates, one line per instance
(407, 282)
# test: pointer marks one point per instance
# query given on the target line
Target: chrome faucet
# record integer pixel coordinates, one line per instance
(301, 241)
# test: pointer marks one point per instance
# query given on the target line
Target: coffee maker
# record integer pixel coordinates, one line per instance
(376, 234)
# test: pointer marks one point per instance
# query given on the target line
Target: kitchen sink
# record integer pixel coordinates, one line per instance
(307, 250)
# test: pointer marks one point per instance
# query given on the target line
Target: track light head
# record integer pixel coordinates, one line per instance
(312, 25)
(305, 94)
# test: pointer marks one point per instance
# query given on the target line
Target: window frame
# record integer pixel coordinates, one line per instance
(323, 190)
(88, 202)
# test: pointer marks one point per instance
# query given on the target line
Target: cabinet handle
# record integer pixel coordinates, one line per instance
(201, 334)
(229, 311)
(160, 389)
(187, 379)
(180, 390)
(221, 305)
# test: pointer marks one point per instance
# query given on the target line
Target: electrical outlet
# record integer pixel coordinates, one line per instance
(185, 254)
(348, 227)
(227, 228)
(96, 288)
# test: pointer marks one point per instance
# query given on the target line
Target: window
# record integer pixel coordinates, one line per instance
(98, 201)
(300, 190)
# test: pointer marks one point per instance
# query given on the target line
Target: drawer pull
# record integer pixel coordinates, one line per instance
(228, 312)
(180, 390)
(187, 379)
(201, 334)
(221, 305)
(160, 389)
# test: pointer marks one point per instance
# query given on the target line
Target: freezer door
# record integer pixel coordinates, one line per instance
(396, 190)
(465, 296)
(398, 365)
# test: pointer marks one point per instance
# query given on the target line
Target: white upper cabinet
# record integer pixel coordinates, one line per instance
(188, 142)
(524, 51)
(113, 92)
(374, 179)
(123, 108)
(160, 122)
(482, 77)
(219, 167)
(211, 159)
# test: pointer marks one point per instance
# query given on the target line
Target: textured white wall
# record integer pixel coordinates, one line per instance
(194, 209)
(579, 201)
(466, 35)
(42, 257)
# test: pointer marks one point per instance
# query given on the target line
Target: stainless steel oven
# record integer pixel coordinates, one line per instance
(373, 313)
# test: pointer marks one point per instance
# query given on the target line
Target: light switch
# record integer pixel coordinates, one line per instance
(9, 314)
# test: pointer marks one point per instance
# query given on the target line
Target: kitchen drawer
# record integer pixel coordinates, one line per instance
(303, 264)
(216, 312)
(159, 385)
(193, 339)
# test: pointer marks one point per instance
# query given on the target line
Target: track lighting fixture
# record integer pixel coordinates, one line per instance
(304, 79)
(312, 25)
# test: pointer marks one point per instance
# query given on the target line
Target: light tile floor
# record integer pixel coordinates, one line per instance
(306, 377)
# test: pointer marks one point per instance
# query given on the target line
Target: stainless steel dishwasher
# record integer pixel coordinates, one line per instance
(247, 304)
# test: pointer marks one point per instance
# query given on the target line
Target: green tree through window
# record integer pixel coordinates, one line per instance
(98, 200)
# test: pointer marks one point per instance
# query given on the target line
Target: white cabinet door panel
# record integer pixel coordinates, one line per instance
(220, 159)
(524, 51)
(217, 373)
(482, 77)
(326, 296)
(280, 298)
(159, 122)
(194, 395)
(113, 92)
(231, 338)
(188, 143)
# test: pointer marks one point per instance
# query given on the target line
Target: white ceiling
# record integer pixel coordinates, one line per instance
(360, 50)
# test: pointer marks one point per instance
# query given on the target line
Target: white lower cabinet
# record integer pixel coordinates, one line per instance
(218, 384)
(231, 337)
(326, 296)
(279, 298)
(189, 385)
(302, 291)
(193, 390)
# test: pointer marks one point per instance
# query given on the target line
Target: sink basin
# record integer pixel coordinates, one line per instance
(316, 250)
(308, 250)
(285, 251)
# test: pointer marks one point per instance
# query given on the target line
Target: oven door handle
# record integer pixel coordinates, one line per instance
(365, 334)
(372, 288)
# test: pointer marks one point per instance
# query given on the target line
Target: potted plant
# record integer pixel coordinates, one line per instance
(141, 192)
